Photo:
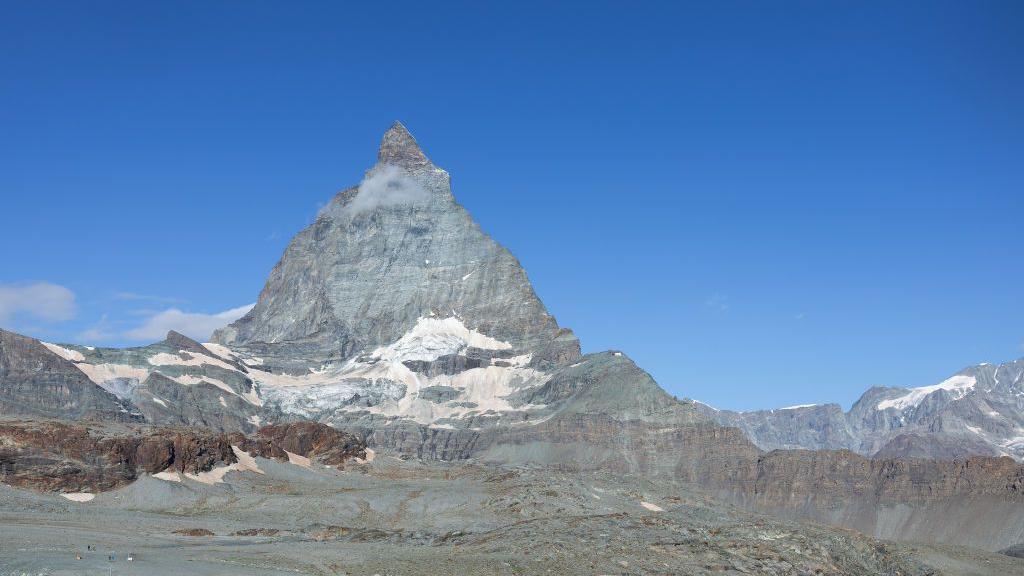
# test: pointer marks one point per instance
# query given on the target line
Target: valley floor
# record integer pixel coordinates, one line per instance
(392, 517)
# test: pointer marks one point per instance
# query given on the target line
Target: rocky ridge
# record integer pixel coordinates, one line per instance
(978, 411)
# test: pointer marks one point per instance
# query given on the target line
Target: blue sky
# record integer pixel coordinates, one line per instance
(763, 204)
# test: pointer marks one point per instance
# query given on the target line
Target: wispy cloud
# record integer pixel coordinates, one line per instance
(192, 324)
(387, 186)
(132, 296)
(39, 300)
(99, 333)
(718, 302)
(800, 316)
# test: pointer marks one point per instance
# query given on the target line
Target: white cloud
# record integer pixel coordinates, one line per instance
(192, 324)
(97, 333)
(129, 296)
(40, 300)
(387, 186)
(718, 302)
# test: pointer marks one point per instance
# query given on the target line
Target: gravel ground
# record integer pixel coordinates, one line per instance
(392, 517)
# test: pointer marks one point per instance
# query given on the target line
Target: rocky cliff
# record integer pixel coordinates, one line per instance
(35, 381)
(976, 501)
(74, 457)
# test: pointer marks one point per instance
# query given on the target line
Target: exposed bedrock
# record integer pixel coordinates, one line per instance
(57, 456)
(36, 382)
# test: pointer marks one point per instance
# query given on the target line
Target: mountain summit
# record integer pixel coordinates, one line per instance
(384, 256)
(399, 148)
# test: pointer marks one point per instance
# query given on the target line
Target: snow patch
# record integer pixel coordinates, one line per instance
(797, 407)
(957, 385)
(432, 338)
(190, 380)
(370, 455)
(168, 475)
(167, 359)
(394, 388)
(219, 350)
(298, 460)
(65, 353)
(118, 379)
(78, 496)
(652, 507)
(159, 401)
(246, 463)
(252, 397)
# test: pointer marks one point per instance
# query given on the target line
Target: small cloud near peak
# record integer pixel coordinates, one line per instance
(195, 325)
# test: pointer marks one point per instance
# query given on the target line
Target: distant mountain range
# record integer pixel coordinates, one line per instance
(979, 410)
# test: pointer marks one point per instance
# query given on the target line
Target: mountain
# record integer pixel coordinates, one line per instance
(978, 411)
(396, 321)
(394, 254)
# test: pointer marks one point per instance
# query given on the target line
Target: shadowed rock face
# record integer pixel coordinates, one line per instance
(384, 255)
(35, 381)
(976, 501)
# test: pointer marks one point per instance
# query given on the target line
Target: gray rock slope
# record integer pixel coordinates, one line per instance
(35, 381)
(979, 410)
(383, 255)
(176, 381)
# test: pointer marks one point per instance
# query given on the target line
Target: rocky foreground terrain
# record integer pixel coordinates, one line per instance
(390, 516)
(400, 401)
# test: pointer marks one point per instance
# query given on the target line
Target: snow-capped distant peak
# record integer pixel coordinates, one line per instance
(797, 407)
(958, 385)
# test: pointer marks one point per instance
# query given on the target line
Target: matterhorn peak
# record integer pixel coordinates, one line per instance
(399, 148)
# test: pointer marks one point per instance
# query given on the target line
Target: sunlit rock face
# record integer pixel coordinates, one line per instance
(385, 255)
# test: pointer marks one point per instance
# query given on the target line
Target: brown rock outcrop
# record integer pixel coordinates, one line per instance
(58, 456)
(791, 477)
(313, 440)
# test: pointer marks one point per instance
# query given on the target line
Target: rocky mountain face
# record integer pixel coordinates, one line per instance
(391, 254)
(979, 411)
(35, 381)
(174, 382)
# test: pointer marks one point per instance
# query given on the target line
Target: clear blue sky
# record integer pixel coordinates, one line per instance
(762, 203)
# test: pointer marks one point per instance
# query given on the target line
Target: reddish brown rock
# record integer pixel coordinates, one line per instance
(58, 456)
(194, 532)
(313, 440)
